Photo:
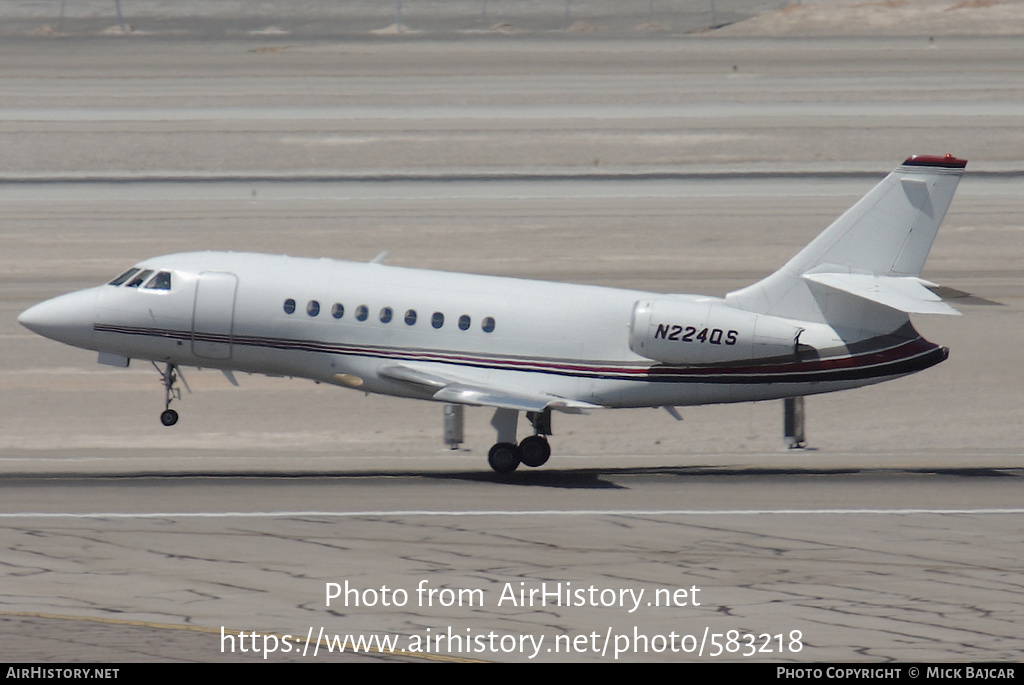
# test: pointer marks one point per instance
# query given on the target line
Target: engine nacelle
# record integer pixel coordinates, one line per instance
(704, 330)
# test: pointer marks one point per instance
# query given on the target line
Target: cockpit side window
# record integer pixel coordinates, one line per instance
(139, 278)
(124, 277)
(161, 281)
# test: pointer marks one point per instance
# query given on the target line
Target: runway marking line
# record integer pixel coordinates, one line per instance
(217, 631)
(479, 513)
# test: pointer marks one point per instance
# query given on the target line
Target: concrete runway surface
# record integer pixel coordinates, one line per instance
(679, 165)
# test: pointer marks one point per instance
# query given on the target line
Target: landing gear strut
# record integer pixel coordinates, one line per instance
(533, 451)
(169, 374)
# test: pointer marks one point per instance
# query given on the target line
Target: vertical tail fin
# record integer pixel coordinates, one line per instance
(862, 272)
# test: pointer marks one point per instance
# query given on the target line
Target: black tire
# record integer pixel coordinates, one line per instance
(534, 451)
(503, 457)
(169, 417)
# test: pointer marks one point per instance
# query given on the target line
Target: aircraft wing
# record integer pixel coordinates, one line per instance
(449, 388)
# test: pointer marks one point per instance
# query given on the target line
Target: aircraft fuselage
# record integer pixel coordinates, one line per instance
(342, 322)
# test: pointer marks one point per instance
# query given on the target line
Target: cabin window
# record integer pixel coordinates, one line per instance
(437, 319)
(410, 317)
(464, 322)
(488, 324)
(313, 308)
(337, 310)
(362, 311)
(138, 279)
(385, 315)
(162, 281)
(289, 306)
(124, 277)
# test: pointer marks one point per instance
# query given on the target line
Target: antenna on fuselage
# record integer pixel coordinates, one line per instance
(379, 259)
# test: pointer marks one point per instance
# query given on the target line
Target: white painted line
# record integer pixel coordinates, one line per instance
(481, 513)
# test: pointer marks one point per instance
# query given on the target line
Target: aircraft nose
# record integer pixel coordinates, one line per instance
(67, 319)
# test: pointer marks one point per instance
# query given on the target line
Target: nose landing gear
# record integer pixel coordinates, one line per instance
(170, 374)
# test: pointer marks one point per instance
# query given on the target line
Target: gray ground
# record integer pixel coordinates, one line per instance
(676, 164)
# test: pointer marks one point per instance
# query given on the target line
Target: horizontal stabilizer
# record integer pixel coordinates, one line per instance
(455, 390)
(904, 293)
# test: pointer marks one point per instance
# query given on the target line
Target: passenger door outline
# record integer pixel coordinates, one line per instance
(213, 315)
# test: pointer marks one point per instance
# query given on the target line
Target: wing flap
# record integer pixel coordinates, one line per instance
(449, 388)
(904, 293)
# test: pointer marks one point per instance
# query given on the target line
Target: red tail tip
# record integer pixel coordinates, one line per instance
(948, 162)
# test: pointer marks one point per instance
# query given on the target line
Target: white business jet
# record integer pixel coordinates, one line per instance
(834, 317)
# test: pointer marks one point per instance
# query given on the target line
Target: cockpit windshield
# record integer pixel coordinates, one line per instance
(161, 281)
(135, 277)
(138, 279)
(124, 277)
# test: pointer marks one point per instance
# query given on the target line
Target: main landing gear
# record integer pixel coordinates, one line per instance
(533, 451)
(170, 376)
